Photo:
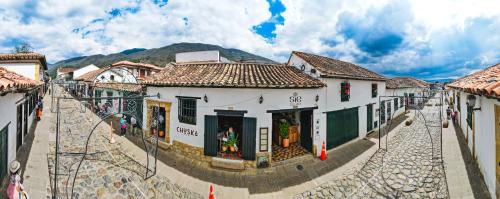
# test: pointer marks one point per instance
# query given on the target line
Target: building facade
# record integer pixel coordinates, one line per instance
(18, 95)
(476, 99)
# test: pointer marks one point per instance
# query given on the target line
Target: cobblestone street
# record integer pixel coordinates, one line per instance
(107, 171)
(408, 166)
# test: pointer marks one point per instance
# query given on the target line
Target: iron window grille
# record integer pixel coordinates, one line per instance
(401, 99)
(374, 90)
(382, 113)
(187, 110)
(396, 106)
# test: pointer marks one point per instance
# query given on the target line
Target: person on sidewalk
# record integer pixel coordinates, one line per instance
(15, 190)
(133, 122)
(123, 125)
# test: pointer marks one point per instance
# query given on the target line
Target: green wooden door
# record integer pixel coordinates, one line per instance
(211, 126)
(342, 126)
(248, 138)
(4, 133)
(369, 117)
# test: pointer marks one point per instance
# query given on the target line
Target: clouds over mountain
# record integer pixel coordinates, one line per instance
(424, 38)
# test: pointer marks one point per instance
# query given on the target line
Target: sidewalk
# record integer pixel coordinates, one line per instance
(456, 174)
(36, 174)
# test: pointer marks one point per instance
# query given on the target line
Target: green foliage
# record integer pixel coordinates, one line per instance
(284, 130)
(232, 142)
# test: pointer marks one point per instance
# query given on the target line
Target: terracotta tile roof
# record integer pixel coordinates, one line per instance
(136, 65)
(234, 75)
(406, 82)
(23, 57)
(91, 75)
(333, 68)
(66, 69)
(10, 81)
(486, 81)
(120, 86)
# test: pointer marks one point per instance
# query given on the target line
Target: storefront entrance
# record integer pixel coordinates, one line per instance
(163, 119)
(230, 135)
(296, 125)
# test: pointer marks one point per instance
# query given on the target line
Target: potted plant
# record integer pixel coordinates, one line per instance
(232, 143)
(224, 147)
(284, 133)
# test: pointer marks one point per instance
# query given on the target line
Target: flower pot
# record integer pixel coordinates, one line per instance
(224, 148)
(162, 134)
(232, 149)
(286, 142)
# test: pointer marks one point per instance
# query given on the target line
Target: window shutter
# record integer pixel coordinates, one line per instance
(249, 135)
(211, 126)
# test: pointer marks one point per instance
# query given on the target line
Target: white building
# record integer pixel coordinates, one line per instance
(30, 64)
(350, 99)
(79, 72)
(322, 99)
(200, 56)
(476, 98)
(65, 73)
(403, 92)
(17, 105)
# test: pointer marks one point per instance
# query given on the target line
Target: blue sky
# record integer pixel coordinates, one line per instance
(422, 38)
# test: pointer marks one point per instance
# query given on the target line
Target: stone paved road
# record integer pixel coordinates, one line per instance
(107, 170)
(409, 167)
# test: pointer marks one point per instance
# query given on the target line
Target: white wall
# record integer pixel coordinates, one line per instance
(237, 99)
(121, 75)
(198, 56)
(86, 69)
(298, 62)
(24, 69)
(485, 138)
(8, 108)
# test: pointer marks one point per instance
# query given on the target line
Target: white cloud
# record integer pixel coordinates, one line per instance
(432, 31)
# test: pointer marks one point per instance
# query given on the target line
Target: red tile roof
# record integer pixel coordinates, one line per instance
(136, 65)
(10, 81)
(66, 69)
(91, 75)
(486, 81)
(333, 68)
(120, 86)
(233, 75)
(406, 82)
(23, 57)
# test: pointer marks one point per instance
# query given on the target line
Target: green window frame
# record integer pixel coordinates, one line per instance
(396, 106)
(374, 90)
(98, 94)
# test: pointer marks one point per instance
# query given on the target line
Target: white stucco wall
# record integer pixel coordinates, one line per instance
(86, 69)
(198, 56)
(8, 108)
(485, 138)
(24, 69)
(237, 99)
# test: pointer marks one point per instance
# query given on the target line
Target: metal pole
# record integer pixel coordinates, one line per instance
(57, 151)
(379, 123)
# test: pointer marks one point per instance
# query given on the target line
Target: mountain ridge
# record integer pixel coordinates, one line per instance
(157, 56)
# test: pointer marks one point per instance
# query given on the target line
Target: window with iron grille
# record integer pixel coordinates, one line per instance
(187, 110)
(402, 100)
(345, 91)
(469, 116)
(396, 104)
(382, 113)
(374, 90)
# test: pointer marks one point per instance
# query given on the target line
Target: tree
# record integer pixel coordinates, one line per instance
(23, 47)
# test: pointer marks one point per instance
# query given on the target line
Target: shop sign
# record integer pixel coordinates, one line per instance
(295, 99)
(186, 131)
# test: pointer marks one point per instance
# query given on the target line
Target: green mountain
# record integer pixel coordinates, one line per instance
(157, 56)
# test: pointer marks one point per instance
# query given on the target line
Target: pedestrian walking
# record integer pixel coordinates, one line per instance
(133, 122)
(15, 189)
(123, 125)
(448, 112)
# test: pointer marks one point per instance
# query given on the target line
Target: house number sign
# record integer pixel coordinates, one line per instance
(187, 131)
(295, 99)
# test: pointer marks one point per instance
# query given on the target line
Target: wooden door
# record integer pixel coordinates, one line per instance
(497, 144)
(341, 127)
(4, 134)
(210, 135)
(306, 121)
(249, 138)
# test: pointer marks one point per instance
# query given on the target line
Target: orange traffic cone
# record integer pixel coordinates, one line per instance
(211, 196)
(323, 153)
